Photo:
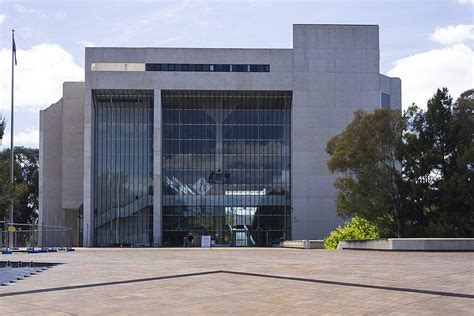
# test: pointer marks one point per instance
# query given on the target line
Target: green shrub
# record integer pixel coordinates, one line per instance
(357, 229)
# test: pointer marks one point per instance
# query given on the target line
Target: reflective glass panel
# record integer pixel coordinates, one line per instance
(226, 166)
(123, 167)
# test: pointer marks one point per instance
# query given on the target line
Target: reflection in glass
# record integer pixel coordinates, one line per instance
(123, 163)
(226, 166)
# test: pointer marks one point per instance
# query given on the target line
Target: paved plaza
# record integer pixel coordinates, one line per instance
(243, 281)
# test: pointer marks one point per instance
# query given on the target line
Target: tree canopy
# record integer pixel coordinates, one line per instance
(410, 174)
(366, 156)
(24, 191)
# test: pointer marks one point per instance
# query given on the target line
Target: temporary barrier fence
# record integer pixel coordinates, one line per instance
(35, 235)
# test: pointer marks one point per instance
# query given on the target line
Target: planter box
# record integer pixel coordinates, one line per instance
(410, 244)
(302, 244)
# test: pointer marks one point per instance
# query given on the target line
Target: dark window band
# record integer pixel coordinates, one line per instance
(208, 67)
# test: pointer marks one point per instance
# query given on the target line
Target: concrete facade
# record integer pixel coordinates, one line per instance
(61, 164)
(335, 72)
(331, 69)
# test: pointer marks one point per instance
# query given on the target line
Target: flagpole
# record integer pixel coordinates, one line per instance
(12, 155)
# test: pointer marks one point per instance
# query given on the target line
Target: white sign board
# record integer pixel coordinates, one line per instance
(206, 242)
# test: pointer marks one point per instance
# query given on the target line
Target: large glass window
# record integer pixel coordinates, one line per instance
(208, 67)
(226, 166)
(123, 167)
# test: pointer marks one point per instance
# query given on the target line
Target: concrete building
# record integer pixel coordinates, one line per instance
(159, 142)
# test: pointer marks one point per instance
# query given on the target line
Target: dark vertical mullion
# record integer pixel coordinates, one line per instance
(145, 165)
(116, 183)
(106, 231)
(126, 170)
(96, 159)
(138, 172)
(144, 171)
(130, 209)
(142, 140)
(118, 169)
(129, 152)
(100, 194)
(103, 194)
(113, 155)
(144, 198)
(119, 224)
(96, 174)
(135, 136)
(116, 179)
(121, 181)
(106, 172)
(141, 177)
(243, 148)
(111, 167)
(133, 223)
(97, 205)
(132, 228)
(138, 227)
(150, 137)
(191, 151)
(107, 228)
(147, 169)
(101, 197)
(108, 214)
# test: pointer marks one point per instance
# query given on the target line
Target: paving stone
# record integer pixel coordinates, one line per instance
(271, 281)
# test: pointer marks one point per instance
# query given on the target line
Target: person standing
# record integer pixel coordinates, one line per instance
(190, 240)
(185, 241)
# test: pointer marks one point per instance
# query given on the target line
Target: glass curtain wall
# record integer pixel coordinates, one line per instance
(226, 166)
(123, 167)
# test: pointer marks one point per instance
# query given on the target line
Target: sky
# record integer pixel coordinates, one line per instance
(427, 43)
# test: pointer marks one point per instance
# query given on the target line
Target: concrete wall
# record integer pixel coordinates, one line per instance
(393, 87)
(72, 144)
(50, 157)
(410, 244)
(61, 161)
(335, 71)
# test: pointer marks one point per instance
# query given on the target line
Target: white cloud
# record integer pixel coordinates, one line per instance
(2, 18)
(453, 34)
(166, 16)
(86, 43)
(423, 73)
(29, 10)
(39, 76)
(466, 1)
(58, 14)
(25, 138)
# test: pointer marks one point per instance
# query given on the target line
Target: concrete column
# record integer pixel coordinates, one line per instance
(88, 224)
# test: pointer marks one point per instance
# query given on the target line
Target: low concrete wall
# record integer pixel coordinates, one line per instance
(302, 244)
(379, 244)
(410, 244)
